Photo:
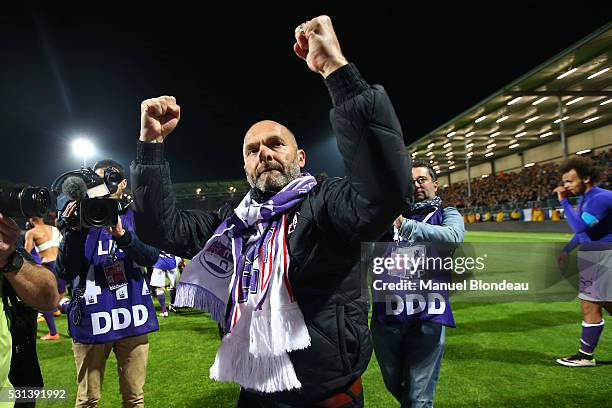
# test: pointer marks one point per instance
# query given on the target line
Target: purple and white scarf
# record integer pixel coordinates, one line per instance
(244, 267)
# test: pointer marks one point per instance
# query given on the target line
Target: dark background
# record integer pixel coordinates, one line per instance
(71, 69)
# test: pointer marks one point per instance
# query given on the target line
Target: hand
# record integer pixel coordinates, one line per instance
(69, 212)
(158, 118)
(9, 231)
(398, 222)
(561, 193)
(316, 42)
(116, 231)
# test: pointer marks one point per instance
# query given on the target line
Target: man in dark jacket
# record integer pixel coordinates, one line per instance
(317, 250)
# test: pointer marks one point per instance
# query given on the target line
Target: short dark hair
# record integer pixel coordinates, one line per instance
(423, 163)
(584, 166)
(103, 164)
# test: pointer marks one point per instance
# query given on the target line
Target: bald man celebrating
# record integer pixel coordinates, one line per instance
(280, 273)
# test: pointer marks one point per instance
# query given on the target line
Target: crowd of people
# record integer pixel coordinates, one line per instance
(515, 189)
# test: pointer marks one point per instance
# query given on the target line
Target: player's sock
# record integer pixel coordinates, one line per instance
(161, 298)
(172, 295)
(50, 322)
(590, 336)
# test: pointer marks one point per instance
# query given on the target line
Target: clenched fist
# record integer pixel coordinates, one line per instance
(158, 118)
(316, 42)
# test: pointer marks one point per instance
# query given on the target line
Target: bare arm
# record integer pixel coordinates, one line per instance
(35, 285)
(29, 240)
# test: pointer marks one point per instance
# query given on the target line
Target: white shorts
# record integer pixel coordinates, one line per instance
(158, 277)
(595, 268)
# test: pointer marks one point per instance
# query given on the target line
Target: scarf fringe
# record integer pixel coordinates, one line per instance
(289, 332)
(282, 334)
(190, 295)
(234, 363)
(260, 334)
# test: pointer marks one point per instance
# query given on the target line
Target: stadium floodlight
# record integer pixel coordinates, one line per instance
(451, 134)
(501, 119)
(512, 146)
(495, 134)
(543, 135)
(515, 100)
(590, 119)
(480, 119)
(563, 118)
(429, 146)
(520, 134)
(573, 101)
(489, 154)
(83, 149)
(542, 99)
(598, 73)
(451, 167)
(469, 133)
(532, 119)
(605, 102)
(571, 71)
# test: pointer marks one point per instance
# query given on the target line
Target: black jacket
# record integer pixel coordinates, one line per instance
(332, 221)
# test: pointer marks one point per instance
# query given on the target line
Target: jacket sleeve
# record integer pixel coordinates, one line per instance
(377, 186)
(451, 231)
(133, 247)
(158, 221)
(592, 213)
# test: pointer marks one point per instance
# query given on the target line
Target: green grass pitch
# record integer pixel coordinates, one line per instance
(502, 354)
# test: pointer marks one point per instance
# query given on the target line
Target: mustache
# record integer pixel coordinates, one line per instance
(268, 167)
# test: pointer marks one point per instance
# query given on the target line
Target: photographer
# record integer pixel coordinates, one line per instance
(34, 284)
(111, 307)
(409, 341)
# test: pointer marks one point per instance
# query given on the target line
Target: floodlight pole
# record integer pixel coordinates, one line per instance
(469, 178)
(562, 128)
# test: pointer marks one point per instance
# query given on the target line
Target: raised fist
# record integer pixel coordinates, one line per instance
(158, 118)
(316, 42)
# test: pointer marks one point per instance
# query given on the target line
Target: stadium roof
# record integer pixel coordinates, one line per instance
(526, 113)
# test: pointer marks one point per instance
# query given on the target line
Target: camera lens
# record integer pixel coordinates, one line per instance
(24, 201)
(35, 201)
(99, 212)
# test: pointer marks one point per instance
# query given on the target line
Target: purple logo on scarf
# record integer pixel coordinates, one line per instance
(218, 257)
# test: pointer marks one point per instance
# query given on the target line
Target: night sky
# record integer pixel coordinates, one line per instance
(71, 69)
